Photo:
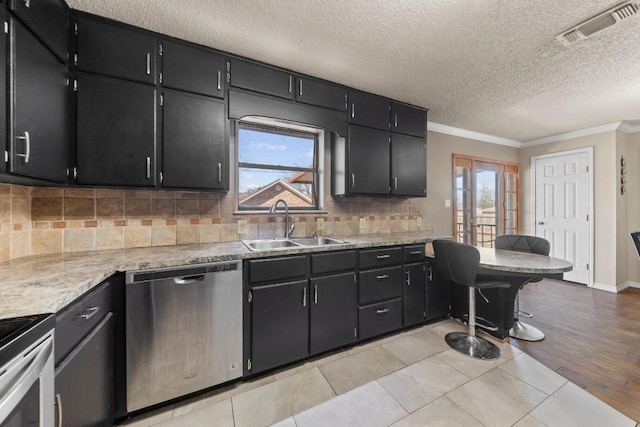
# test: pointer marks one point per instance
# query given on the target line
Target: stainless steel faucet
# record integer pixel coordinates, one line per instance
(287, 230)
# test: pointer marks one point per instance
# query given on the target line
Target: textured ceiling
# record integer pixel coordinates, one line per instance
(489, 66)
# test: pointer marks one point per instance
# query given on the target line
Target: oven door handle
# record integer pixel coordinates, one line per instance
(22, 376)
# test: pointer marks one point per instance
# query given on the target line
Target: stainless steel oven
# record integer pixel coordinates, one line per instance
(26, 371)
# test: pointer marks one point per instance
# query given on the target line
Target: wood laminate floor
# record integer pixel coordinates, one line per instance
(592, 338)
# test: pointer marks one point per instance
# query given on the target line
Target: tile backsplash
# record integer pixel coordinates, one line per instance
(41, 220)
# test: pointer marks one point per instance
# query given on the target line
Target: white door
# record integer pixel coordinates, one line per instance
(562, 209)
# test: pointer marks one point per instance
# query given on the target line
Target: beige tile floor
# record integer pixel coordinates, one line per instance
(408, 379)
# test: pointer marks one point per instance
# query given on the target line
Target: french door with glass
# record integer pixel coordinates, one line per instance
(485, 200)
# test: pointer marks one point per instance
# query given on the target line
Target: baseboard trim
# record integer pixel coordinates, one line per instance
(604, 287)
(628, 284)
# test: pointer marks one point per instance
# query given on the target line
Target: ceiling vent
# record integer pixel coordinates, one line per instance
(600, 22)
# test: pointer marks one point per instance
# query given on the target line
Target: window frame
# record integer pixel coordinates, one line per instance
(287, 129)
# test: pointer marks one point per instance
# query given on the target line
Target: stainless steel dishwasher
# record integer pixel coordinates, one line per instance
(184, 330)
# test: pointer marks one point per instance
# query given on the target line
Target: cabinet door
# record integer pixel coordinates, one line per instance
(259, 78)
(279, 324)
(116, 132)
(408, 166)
(438, 294)
(408, 120)
(368, 110)
(3, 92)
(368, 161)
(322, 94)
(40, 132)
(194, 154)
(84, 380)
(115, 50)
(414, 294)
(193, 69)
(334, 305)
(49, 20)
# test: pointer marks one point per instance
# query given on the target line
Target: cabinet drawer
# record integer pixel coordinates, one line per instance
(263, 270)
(333, 261)
(414, 253)
(376, 319)
(380, 284)
(408, 120)
(74, 323)
(372, 258)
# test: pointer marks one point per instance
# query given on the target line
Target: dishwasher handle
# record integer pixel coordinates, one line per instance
(189, 279)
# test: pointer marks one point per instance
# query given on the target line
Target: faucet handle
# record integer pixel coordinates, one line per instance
(314, 234)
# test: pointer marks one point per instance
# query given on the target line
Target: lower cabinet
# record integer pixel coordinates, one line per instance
(333, 312)
(84, 380)
(279, 324)
(414, 294)
(438, 294)
(379, 318)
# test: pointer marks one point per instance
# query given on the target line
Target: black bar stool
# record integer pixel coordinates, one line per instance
(458, 262)
(533, 245)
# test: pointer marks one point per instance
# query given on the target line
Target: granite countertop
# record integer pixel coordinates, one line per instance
(48, 283)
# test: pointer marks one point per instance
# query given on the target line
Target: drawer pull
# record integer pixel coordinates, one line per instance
(382, 310)
(89, 313)
(382, 276)
(416, 252)
(383, 256)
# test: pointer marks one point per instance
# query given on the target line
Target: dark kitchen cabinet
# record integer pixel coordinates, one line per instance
(111, 49)
(379, 318)
(116, 131)
(279, 324)
(380, 284)
(193, 69)
(438, 294)
(84, 380)
(49, 20)
(408, 166)
(367, 170)
(368, 110)
(414, 294)
(194, 144)
(3, 92)
(39, 134)
(322, 94)
(408, 120)
(261, 78)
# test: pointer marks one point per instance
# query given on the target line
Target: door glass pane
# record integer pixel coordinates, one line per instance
(486, 215)
(510, 182)
(463, 204)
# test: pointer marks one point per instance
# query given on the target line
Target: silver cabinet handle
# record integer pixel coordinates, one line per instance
(382, 276)
(315, 294)
(148, 167)
(382, 311)
(219, 173)
(416, 252)
(408, 278)
(430, 276)
(189, 279)
(395, 122)
(304, 296)
(353, 180)
(59, 405)
(27, 3)
(353, 110)
(89, 313)
(219, 77)
(27, 147)
(395, 183)
(290, 83)
(383, 256)
(148, 64)
(300, 87)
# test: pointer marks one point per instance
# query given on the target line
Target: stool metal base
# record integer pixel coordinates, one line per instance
(472, 346)
(526, 332)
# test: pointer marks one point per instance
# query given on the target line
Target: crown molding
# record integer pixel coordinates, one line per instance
(450, 130)
(629, 128)
(621, 126)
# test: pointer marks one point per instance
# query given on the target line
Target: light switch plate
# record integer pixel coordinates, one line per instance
(447, 203)
(363, 223)
(242, 226)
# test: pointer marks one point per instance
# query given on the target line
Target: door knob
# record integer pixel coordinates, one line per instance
(540, 222)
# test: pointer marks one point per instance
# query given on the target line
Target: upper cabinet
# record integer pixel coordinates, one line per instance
(368, 110)
(39, 108)
(113, 50)
(320, 93)
(192, 69)
(48, 19)
(260, 78)
(408, 166)
(408, 120)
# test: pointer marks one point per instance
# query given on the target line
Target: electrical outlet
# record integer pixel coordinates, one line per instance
(320, 224)
(242, 226)
(447, 203)
(419, 222)
(363, 223)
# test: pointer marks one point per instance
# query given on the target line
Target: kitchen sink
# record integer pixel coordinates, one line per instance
(271, 244)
